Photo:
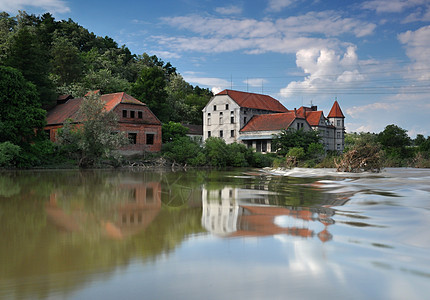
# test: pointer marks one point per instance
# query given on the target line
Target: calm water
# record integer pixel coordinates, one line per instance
(244, 234)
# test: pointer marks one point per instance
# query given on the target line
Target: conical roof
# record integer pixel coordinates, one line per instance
(335, 111)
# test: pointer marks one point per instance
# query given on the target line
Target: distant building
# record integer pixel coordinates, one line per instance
(253, 119)
(135, 119)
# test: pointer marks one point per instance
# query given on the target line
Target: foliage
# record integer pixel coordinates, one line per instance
(172, 130)
(394, 141)
(292, 138)
(20, 113)
(97, 139)
(182, 150)
(8, 154)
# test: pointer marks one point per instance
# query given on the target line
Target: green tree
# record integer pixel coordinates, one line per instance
(292, 138)
(21, 116)
(96, 138)
(394, 141)
(172, 131)
(150, 88)
(66, 61)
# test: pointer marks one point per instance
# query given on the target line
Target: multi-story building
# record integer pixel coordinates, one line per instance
(253, 119)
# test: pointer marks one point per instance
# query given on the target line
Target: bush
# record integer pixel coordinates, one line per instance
(183, 150)
(8, 154)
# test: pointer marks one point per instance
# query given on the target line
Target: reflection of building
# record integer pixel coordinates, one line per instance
(236, 212)
(126, 212)
(143, 206)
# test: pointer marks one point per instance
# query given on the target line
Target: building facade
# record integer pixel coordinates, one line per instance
(134, 118)
(253, 119)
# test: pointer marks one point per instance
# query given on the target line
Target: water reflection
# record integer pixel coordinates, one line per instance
(66, 234)
(251, 211)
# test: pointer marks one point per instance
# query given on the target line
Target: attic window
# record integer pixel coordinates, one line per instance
(214, 107)
(124, 113)
(140, 114)
(226, 107)
(132, 113)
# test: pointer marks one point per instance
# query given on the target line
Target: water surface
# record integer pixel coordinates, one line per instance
(243, 234)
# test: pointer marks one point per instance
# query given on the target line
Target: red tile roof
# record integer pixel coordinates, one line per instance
(257, 101)
(270, 122)
(314, 117)
(69, 110)
(335, 111)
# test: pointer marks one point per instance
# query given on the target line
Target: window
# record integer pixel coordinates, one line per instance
(209, 120)
(249, 144)
(232, 120)
(214, 107)
(132, 112)
(124, 113)
(140, 114)
(264, 146)
(150, 139)
(226, 107)
(338, 123)
(258, 146)
(221, 134)
(244, 120)
(132, 137)
(231, 133)
(338, 135)
(220, 120)
(338, 147)
(209, 134)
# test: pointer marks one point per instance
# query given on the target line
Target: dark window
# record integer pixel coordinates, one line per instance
(258, 146)
(140, 114)
(226, 107)
(231, 120)
(263, 146)
(232, 133)
(150, 139)
(221, 133)
(132, 114)
(124, 113)
(249, 143)
(132, 137)
(209, 134)
(214, 107)
(149, 195)
(244, 120)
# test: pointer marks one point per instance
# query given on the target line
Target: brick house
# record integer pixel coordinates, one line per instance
(134, 118)
(253, 119)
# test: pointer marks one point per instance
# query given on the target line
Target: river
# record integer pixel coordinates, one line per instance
(239, 234)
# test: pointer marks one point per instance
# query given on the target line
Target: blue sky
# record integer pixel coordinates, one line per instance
(372, 56)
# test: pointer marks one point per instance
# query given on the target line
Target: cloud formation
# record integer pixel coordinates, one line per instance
(53, 6)
(329, 72)
(287, 35)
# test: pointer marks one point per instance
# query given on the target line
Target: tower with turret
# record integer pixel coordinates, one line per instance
(337, 119)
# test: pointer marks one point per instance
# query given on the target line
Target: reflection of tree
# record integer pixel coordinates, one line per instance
(38, 257)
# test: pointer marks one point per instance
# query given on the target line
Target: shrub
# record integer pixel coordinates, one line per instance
(8, 154)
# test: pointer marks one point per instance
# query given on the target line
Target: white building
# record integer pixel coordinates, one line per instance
(253, 119)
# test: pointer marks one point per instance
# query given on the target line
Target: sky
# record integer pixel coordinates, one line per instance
(373, 56)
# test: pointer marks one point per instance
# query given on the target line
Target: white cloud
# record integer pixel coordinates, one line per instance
(53, 6)
(329, 72)
(391, 6)
(315, 29)
(358, 111)
(417, 45)
(229, 10)
(278, 5)
(216, 84)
